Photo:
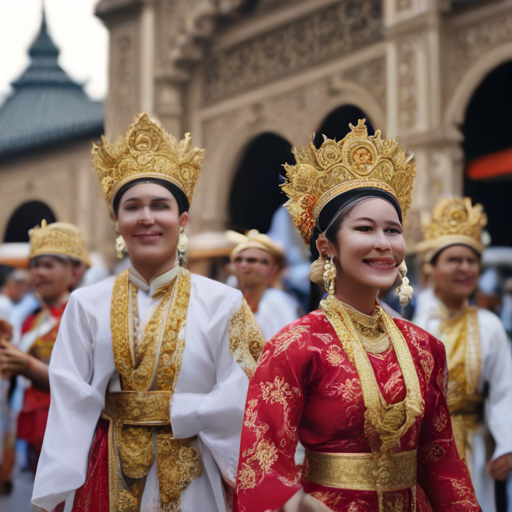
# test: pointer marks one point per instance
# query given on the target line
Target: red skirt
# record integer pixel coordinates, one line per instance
(93, 496)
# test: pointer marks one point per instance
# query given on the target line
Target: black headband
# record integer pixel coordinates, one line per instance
(331, 209)
(179, 195)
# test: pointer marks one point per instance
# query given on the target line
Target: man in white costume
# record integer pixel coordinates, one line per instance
(258, 261)
(478, 353)
(150, 370)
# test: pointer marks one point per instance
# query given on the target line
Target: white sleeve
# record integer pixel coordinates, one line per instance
(217, 417)
(497, 370)
(74, 411)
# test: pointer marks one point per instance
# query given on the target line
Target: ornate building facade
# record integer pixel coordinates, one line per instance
(231, 71)
(47, 126)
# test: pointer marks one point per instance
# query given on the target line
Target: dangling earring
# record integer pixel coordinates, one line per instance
(405, 290)
(330, 276)
(182, 247)
(120, 247)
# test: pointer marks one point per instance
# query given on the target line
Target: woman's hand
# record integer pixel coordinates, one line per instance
(500, 468)
(310, 504)
(302, 502)
(5, 330)
(13, 361)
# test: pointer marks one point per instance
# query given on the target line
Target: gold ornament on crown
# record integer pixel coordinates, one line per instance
(454, 221)
(357, 161)
(147, 151)
(58, 238)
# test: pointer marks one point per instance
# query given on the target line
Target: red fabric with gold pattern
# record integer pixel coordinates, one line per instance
(36, 402)
(93, 496)
(306, 388)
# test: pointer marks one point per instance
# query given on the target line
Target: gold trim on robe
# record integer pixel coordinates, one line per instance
(245, 339)
(461, 337)
(149, 372)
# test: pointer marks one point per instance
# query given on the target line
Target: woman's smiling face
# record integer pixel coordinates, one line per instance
(369, 245)
(149, 221)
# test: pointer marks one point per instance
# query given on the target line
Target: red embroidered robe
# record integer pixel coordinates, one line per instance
(306, 388)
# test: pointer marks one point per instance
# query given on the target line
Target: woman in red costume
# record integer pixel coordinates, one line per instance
(364, 393)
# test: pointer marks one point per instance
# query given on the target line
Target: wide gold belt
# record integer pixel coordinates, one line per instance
(361, 471)
(152, 408)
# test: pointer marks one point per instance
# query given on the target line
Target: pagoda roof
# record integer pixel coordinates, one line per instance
(46, 107)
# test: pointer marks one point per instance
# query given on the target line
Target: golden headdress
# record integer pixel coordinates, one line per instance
(147, 151)
(58, 238)
(357, 161)
(254, 240)
(454, 222)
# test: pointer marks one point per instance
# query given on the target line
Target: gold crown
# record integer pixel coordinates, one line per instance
(454, 221)
(357, 161)
(147, 151)
(58, 238)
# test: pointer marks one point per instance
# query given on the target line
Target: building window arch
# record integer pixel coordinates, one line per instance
(255, 193)
(24, 218)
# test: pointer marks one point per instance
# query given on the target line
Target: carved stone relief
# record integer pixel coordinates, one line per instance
(407, 84)
(328, 33)
(403, 5)
(122, 100)
(372, 76)
(469, 43)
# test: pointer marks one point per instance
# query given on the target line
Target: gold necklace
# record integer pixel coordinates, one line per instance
(369, 329)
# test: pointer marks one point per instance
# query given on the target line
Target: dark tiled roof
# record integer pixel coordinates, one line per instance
(46, 107)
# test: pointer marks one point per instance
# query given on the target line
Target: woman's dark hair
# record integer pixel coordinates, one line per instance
(179, 195)
(343, 202)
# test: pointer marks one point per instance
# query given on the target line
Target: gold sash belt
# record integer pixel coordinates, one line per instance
(361, 471)
(152, 408)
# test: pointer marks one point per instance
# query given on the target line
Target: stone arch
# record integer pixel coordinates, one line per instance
(336, 124)
(225, 159)
(487, 152)
(350, 94)
(9, 206)
(456, 108)
(254, 192)
(25, 217)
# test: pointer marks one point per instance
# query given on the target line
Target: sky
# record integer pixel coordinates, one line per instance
(80, 36)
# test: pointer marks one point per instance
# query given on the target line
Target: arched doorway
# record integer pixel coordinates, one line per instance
(488, 151)
(336, 124)
(255, 193)
(26, 217)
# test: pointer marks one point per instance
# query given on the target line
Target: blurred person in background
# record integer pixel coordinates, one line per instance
(478, 353)
(15, 288)
(150, 371)
(259, 262)
(57, 255)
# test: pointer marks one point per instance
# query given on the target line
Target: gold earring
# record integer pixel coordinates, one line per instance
(182, 247)
(330, 275)
(405, 290)
(120, 247)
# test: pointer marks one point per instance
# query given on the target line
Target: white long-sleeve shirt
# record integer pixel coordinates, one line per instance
(497, 373)
(208, 402)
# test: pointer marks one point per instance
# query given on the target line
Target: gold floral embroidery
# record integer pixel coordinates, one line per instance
(265, 454)
(263, 451)
(435, 451)
(335, 355)
(245, 339)
(440, 421)
(283, 340)
(279, 392)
